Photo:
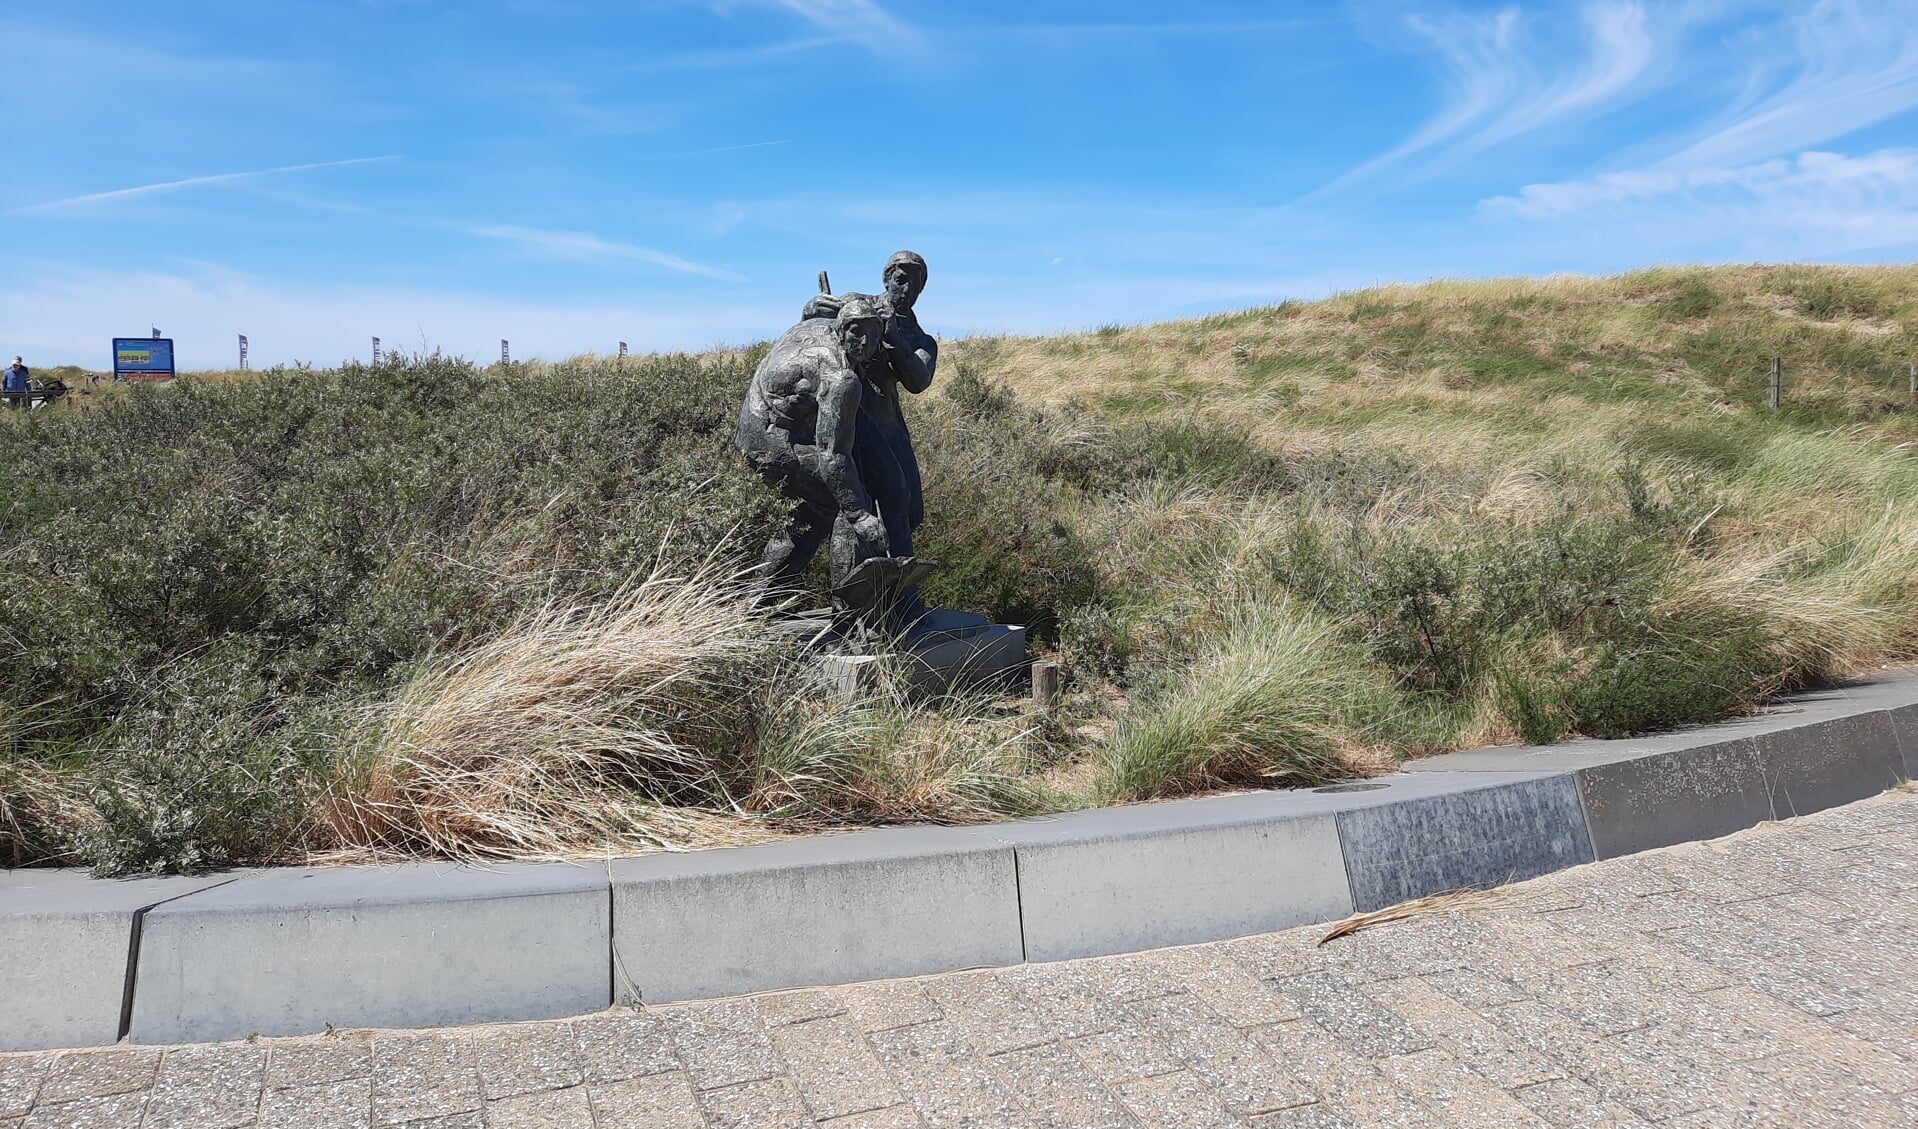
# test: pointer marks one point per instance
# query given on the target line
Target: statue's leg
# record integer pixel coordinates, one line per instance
(915, 494)
(811, 525)
(879, 470)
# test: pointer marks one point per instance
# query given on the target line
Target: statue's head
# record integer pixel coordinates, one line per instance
(905, 276)
(860, 328)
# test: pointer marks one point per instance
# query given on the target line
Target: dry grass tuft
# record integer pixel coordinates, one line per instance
(578, 730)
(43, 812)
(1406, 911)
(1267, 702)
(666, 719)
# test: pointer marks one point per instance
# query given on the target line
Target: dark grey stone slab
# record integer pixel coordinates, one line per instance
(1827, 763)
(65, 940)
(831, 909)
(941, 661)
(1904, 727)
(1462, 838)
(288, 952)
(1804, 753)
(1702, 792)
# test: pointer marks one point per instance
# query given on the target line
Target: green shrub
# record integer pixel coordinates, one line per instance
(1679, 673)
(992, 523)
(1532, 698)
(331, 527)
(1487, 613)
(1694, 298)
(1827, 294)
(977, 397)
(204, 769)
(1409, 604)
(1098, 640)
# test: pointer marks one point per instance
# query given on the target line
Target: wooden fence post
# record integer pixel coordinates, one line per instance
(1777, 382)
(1045, 682)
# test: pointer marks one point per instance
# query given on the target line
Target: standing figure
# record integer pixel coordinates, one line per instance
(882, 444)
(16, 383)
(797, 428)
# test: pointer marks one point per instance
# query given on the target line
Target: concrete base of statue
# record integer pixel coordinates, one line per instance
(940, 653)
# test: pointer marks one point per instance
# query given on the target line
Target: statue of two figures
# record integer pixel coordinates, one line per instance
(823, 421)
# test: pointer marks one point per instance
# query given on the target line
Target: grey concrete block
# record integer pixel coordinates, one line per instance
(1477, 835)
(1141, 877)
(827, 910)
(288, 952)
(1827, 763)
(65, 943)
(1654, 801)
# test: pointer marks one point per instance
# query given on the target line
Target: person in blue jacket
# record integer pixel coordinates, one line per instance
(14, 383)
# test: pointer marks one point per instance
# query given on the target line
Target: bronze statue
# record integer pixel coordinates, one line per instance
(823, 421)
(882, 442)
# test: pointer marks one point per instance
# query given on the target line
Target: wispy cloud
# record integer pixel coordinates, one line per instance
(733, 58)
(1851, 63)
(571, 101)
(731, 148)
(1168, 29)
(586, 247)
(863, 22)
(1817, 204)
(1884, 176)
(1857, 65)
(190, 182)
(1501, 82)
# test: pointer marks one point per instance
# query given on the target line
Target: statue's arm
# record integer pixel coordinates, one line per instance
(913, 361)
(838, 414)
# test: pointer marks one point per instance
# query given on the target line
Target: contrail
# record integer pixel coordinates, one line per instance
(171, 185)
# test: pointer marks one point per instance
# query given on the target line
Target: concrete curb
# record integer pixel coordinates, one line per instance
(286, 952)
(868, 905)
(292, 951)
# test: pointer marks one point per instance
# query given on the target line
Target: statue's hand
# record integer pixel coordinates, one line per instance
(870, 530)
(821, 306)
(832, 466)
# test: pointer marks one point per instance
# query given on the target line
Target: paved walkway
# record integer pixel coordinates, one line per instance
(1763, 979)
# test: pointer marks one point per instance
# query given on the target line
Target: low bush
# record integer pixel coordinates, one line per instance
(305, 537)
(1567, 623)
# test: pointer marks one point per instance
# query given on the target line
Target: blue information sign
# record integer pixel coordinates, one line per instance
(143, 358)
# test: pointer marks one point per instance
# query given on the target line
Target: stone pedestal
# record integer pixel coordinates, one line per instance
(941, 652)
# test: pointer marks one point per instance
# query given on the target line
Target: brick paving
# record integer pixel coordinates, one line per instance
(1761, 979)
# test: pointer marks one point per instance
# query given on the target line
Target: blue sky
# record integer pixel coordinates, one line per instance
(674, 174)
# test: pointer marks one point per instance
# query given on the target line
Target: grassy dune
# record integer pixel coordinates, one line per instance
(1610, 434)
(433, 610)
